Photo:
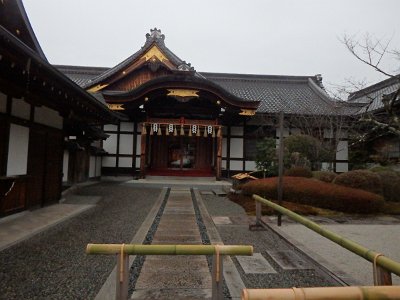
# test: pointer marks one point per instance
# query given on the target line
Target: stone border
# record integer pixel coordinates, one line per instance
(232, 278)
(326, 266)
(107, 291)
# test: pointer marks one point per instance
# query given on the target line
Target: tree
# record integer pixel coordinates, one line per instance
(266, 157)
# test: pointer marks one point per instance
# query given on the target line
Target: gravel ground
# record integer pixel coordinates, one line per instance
(263, 241)
(53, 264)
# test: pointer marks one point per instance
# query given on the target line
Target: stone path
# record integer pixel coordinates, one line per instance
(175, 277)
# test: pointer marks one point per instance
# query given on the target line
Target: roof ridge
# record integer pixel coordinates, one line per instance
(244, 76)
(375, 87)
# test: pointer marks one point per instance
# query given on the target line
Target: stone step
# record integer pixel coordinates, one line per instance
(189, 294)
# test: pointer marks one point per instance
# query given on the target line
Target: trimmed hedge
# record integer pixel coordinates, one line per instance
(299, 172)
(390, 185)
(325, 176)
(317, 193)
(360, 179)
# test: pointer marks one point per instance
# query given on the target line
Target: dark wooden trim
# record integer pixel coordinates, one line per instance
(9, 105)
(143, 155)
(6, 139)
(228, 151)
(243, 147)
(134, 146)
(118, 140)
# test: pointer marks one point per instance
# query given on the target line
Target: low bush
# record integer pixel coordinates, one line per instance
(299, 172)
(317, 193)
(360, 179)
(325, 176)
(390, 185)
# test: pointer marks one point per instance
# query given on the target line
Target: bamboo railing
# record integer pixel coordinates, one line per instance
(326, 293)
(124, 250)
(382, 265)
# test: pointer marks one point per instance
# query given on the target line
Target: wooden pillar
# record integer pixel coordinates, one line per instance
(143, 155)
(219, 153)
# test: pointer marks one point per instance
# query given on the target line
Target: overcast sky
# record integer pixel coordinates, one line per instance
(285, 37)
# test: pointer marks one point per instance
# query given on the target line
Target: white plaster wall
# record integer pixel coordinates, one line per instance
(342, 134)
(109, 161)
(49, 117)
(236, 130)
(98, 166)
(21, 109)
(125, 144)
(325, 166)
(92, 167)
(250, 165)
(110, 127)
(3, 103)
(285, 132)
(223, 164)
(236, 148)
(125, 162)
(236, 165)
(110, 144)
(17, 161)
(224, 147)
(342, 167)
(138, 162)
(342, 151)
(126, 126)
(65, 166)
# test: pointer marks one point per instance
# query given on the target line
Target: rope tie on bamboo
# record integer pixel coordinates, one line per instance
(121, 263)
(217, 271)
(375, 268)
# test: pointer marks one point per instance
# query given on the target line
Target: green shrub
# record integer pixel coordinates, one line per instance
(360, 179)
(390, 185)
(325, 176)
(317, 193)
(299, 172)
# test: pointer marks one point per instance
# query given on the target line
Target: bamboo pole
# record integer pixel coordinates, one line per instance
(358, 249)
(325, 293)
(135, 249)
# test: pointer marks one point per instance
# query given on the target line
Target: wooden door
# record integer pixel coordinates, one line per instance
(36, 166)
(204, 153)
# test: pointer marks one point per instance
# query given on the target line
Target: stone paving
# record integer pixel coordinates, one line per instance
(175, 277)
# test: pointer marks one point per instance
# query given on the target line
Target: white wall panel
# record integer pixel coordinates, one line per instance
(250, 165)
(325, 166)
(237, 130)
(138, 144)
(126, 126)
(342, 167)
(110, 127)
(125, 143)
(21, 109)
(98, 166)
(125, 162)
(65, 166)
(109, 161)
(224, 147)
(342, 151)
(49, 117)
(285, 132)
(342, 134)
(110, 144)
(3, 103)
(236, 148)
(17, 161)
(223, 164)
(138, 162)
(236, 165)
(92, 167)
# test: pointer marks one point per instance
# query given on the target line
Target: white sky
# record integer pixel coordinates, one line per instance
(285, 37)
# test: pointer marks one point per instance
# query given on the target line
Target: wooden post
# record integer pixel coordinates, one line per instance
(217, 277)
(382, 276)
(280, 164)
(143, 155)
(122, 280)
(219, 153)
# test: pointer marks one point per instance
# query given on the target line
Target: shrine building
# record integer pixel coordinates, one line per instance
(177, 121)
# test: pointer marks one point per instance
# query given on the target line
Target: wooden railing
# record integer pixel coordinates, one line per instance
(124, 250)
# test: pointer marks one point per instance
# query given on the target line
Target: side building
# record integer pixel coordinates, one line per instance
(182, 122)
(39, 109)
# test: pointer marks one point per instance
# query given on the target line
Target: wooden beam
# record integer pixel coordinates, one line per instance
(143, 155)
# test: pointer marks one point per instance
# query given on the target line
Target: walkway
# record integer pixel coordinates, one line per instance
(175, 277)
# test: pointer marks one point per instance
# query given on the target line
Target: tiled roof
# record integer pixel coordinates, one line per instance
(292, 94)
(371, 96)
(80, 74)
